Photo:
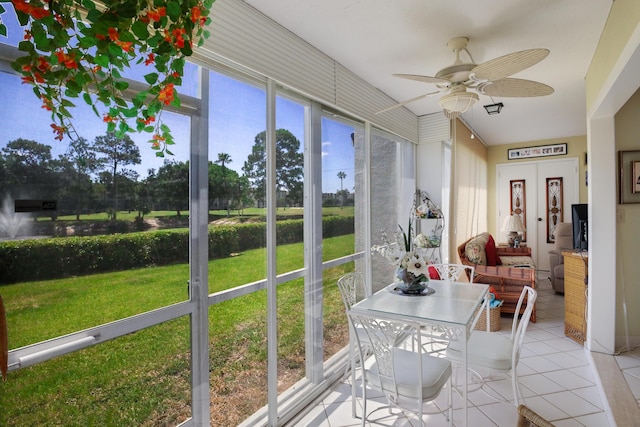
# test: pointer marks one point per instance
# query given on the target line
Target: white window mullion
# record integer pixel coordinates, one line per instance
(199, 259)
(313, 245)
(272, 306)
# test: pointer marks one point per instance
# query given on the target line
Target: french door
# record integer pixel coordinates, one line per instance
(541, 193)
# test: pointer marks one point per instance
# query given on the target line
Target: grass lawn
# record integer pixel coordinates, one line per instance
(131, 215)
(143, 378)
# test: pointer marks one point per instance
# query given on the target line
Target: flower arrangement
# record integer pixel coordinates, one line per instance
(407, 254)
(81, 49)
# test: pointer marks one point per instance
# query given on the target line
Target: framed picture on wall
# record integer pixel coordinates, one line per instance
(635, 183)
(629, 176)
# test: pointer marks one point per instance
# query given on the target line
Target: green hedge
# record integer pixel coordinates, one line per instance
(52, 258)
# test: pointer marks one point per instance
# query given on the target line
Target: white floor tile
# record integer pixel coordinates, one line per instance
(568, 379)
(626, 361)
(634, 384)
(541, 384)
(502, 414)
(591, 395)
(538, 364)
(572, 404)
(594, 420)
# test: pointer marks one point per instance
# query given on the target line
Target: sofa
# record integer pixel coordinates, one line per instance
(507, 269)
(563, 242)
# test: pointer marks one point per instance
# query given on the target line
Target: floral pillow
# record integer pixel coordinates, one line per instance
(475, 249)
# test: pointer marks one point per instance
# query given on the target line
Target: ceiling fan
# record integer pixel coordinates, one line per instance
(489, 78)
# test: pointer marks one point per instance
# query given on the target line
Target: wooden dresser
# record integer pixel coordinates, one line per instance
(575, 295)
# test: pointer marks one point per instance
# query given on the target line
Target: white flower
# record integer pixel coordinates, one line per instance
(416, 265)
(421, 241)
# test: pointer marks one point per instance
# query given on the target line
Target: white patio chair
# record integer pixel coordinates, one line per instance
(352, 289)
(497, 351)
(407, 378)
(454, 272)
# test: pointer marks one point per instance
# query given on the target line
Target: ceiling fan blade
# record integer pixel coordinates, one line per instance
(514, 88)
(507, 65)
(424, 79)
(408, 101)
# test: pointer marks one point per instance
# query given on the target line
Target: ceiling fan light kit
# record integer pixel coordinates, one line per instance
(457, 102)
(489, 78)
(494, 108)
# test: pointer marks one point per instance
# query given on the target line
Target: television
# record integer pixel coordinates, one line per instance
(580, 220)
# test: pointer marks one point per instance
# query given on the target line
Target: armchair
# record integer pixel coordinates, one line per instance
(564, 242)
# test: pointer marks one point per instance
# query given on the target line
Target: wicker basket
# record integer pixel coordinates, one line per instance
(494, 320)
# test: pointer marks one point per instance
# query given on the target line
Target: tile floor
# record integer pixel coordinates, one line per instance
(555, 378)
(629, 364)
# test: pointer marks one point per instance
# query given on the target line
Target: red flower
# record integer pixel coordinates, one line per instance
(126, 46)
(113, 34)
(166, 94)
(66, 60)
(35, 9)
(148, 121)
(107, 118)
(150, 59)
(196, 16)
(47, 104)
(156, 14)
(59, 130)
(178, 37)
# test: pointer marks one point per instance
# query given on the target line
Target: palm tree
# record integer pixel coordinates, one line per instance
(224, 158)
(341, 176)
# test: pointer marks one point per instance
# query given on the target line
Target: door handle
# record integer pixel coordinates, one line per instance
(539, 219)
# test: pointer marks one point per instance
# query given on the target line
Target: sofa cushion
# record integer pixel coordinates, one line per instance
(475, 251)
(492, 252)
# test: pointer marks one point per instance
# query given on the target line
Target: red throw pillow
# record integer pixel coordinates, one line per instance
(433, 273)
(492, 252)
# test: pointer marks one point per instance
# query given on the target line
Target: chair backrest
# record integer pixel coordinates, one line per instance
(520, 323)
(454, 272)
(352, 289)
(403, 371)
(563, 236)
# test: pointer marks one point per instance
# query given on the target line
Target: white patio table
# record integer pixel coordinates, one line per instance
(451, 310)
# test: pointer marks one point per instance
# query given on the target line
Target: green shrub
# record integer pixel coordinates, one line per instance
(52, 258)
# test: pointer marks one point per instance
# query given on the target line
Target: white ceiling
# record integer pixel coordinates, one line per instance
(376, 38)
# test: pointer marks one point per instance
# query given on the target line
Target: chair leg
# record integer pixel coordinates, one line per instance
(516, 387)
(353, 380)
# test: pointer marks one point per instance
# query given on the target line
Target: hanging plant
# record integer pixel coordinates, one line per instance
(81, 49)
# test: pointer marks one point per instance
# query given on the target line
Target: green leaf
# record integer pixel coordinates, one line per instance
(121, 85)
(173, 10)
(67, 103)
(94, 15)
(151, 78)
(88, 4)
(168, 152)
(87, 98)
(139, 28)
(3, 29)
(130, 112)
(102, 60)
(159, 153)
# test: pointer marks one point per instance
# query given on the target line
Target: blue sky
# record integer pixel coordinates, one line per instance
(238, 112)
